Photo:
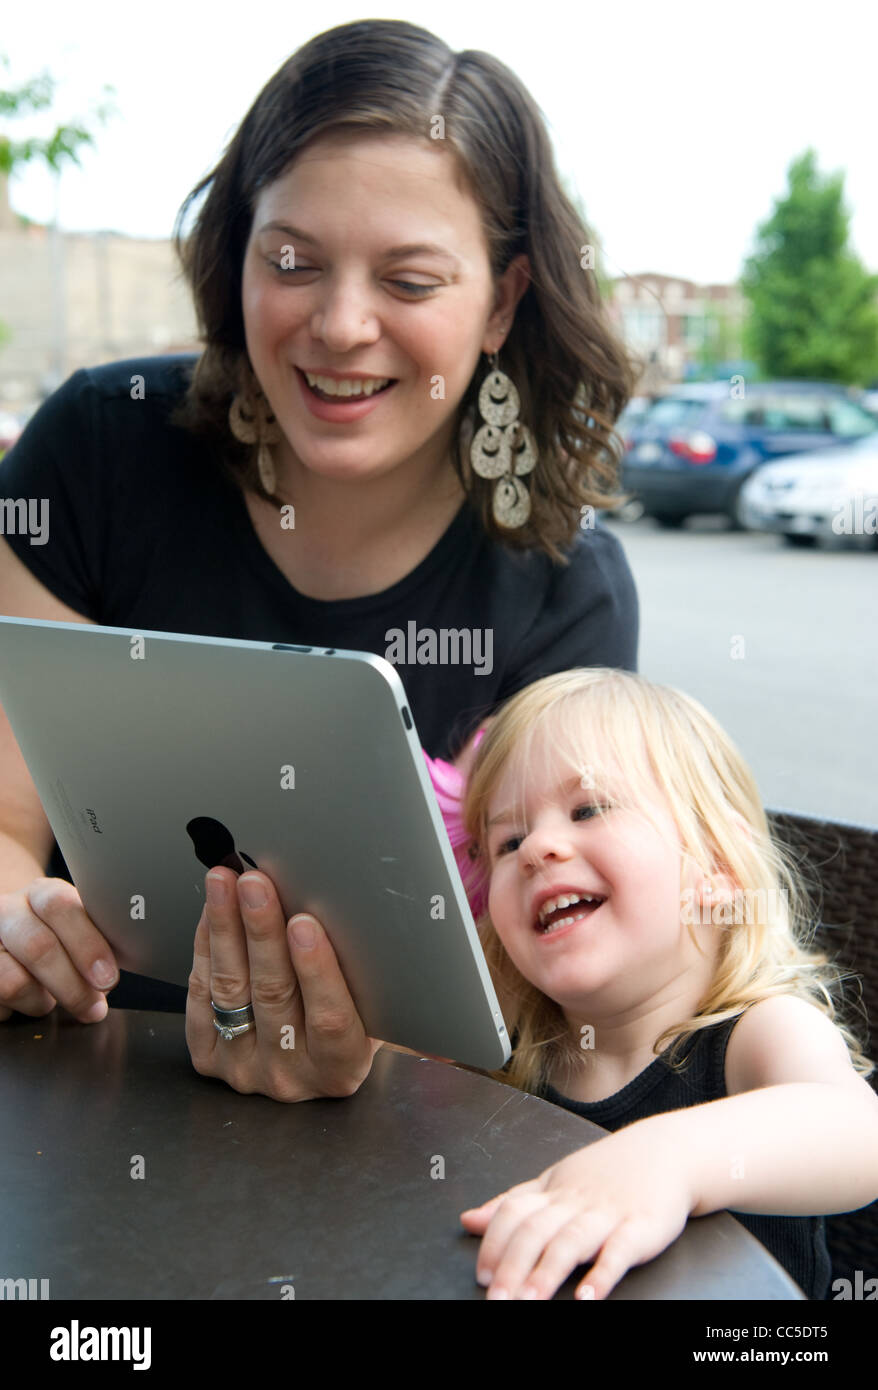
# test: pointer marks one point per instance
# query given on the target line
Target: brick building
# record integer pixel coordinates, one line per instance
(670, 322)
(76, 299)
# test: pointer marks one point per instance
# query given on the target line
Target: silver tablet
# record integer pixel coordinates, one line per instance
(158, 755)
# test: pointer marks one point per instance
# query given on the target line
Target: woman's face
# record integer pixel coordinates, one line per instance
(631, 948)
(385, 275)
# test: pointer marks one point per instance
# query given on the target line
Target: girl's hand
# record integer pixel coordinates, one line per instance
(308, 1040)
(623, 1199)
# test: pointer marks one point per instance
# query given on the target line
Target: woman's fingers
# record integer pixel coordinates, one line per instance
(273, 986)
(221, 975)
(308, 1038)
(229, 962)
(20, 991)
(201, 1036)
(56, 952)
(57, 902)
(336, 1038)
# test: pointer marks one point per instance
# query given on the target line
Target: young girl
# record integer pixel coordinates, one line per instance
(647, 938)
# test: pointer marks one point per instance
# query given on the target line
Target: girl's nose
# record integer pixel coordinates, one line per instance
(545, 842)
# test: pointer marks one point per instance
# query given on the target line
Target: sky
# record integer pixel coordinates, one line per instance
(675, 122)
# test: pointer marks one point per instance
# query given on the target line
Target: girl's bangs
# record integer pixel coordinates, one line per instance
(594, 745)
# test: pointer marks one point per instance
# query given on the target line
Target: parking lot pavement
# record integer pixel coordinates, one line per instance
(779, 644)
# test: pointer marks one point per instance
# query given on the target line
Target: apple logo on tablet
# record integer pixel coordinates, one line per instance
(214, 845)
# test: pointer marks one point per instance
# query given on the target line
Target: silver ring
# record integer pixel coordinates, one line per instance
(230, 1023)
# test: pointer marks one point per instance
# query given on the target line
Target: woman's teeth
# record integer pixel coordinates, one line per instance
(329, 386)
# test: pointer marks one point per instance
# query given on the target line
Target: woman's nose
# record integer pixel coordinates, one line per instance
(345, 316)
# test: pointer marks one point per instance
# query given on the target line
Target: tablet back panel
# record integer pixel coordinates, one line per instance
(157, 755)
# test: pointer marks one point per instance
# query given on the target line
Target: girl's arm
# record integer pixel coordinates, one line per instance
(800, 1134)
(797, 1135)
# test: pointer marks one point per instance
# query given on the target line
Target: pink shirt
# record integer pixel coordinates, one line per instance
(449, 784)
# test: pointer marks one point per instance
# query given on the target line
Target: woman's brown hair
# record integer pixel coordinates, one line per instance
(572, 372)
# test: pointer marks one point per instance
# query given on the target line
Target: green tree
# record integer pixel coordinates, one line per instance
(812, 306)
(66, 141)
(62, 146)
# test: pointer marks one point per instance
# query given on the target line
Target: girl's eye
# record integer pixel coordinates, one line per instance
(504, 848)
(509, 846)
(407, 285)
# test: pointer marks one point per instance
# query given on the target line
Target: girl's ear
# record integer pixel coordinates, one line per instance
(716, 891)
(742, 825)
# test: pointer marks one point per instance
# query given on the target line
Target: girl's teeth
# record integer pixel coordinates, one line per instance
(565, 900)
(564, 922)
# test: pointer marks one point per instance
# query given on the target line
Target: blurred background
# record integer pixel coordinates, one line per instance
(724, 161)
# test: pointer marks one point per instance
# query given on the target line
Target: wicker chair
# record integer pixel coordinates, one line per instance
(845, 860)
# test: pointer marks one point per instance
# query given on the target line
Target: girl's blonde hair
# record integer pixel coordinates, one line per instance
(602, 721)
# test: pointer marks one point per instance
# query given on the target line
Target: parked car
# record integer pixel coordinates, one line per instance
(693, 451)
(635, 411)
(832, 495)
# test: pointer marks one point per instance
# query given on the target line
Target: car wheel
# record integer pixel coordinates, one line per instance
(669, 519)
(734, 512)
(629, 511)
(797, 539)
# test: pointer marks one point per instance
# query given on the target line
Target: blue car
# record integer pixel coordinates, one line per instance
(696, 447)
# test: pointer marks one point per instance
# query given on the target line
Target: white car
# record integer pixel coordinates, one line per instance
(831, 494)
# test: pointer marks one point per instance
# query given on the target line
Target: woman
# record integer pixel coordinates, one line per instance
(386, 221)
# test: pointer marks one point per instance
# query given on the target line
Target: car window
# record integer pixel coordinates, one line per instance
(674, 411)
(743, 412)
(635, 411)
(849, 420)
(795, 412)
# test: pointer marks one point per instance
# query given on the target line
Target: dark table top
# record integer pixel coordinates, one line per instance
(242, 1195)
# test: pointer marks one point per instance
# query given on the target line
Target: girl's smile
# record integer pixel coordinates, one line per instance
(572, 907)
(628, 943)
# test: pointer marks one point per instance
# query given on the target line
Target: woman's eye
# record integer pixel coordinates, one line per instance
(414, 289)
(288, 269)
(418, 291)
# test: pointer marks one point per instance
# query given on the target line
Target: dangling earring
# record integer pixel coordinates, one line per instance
(503, 448)
(251, 422)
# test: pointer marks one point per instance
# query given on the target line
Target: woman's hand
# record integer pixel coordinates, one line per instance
(622, 1199)
(52, 952)
(309, 1040)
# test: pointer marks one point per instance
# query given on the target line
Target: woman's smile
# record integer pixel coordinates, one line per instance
(392, 285)
(342, 408)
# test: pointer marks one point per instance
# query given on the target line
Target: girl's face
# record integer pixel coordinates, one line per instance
(628, 948)
(385, 275)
